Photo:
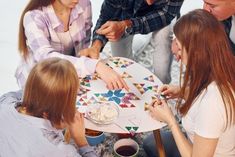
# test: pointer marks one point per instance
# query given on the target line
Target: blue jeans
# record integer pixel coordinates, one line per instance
(168, 143)
(161, 43)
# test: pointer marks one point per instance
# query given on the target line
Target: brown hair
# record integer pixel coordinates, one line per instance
(33, 4)
(209, 59)
(51, 89)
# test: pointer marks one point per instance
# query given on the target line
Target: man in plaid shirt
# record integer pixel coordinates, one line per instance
(119, 20)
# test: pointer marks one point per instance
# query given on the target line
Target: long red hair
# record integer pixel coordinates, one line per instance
(209, 59)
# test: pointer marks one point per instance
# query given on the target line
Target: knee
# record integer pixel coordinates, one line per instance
(149, 146)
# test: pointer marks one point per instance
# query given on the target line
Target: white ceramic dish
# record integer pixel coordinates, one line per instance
(102, 113)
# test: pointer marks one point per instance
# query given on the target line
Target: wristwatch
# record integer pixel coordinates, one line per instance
(128, 30)
(128, 27)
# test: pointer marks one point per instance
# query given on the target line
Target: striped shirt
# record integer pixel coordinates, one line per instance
(145, 18)
(43, 30)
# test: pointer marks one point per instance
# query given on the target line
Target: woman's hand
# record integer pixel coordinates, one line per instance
(169, 91)
(77, 130)
(110, 77)
(160, 111)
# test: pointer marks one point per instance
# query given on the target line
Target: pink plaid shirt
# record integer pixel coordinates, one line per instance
(41, 29)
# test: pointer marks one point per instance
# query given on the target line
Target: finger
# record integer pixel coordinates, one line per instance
(110, 86)
(162, 88)
(115, 85)
(105, 25)
(119, 83)
(104, 31)
(124, 84)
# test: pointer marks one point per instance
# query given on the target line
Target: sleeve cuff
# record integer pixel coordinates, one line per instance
(91, 64)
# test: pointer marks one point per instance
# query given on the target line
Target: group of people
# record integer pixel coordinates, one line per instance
(54, 41)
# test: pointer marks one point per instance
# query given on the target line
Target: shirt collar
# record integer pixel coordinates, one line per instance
(55, 21)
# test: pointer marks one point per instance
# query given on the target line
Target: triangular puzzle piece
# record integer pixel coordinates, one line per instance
(126, 75)
(149, 78)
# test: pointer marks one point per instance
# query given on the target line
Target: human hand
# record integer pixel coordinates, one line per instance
(175, 49)
(160, 111)
(77, 130)
(112, 30)
(90, 52)
(169, 91)
(110, 77)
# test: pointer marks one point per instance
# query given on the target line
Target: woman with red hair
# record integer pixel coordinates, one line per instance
(207, 91)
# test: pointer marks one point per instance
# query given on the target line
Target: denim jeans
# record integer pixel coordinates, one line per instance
(168, 141)
(162, 56)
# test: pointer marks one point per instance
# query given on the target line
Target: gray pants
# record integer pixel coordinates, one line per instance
(162, 56)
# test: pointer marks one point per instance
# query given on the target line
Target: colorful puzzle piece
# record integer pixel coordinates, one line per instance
(140, 87)
(86, 81)
(153, 88)
(82, 91)
(149, 78)
(132, 129)
(120, 62)
(126, 75)
(84, 101)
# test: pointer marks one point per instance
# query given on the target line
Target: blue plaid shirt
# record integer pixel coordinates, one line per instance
(145, 18)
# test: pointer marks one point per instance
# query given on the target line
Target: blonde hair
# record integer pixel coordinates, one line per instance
(51, 89)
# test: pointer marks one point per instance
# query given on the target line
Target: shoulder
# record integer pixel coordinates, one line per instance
(210, 118)
(37, 16)
(211, 99)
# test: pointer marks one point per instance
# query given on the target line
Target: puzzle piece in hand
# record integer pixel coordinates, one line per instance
(126, 75)
(146, 105)
(149, 78)
(140, 87)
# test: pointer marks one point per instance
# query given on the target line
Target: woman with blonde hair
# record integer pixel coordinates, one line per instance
(33, 127)
(208, 109)
(60, 28)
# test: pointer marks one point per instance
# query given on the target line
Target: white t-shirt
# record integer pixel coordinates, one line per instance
(206, 118)
(232, 31)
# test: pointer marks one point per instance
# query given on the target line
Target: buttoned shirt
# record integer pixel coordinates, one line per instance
(145, 18)
(42, 27)
(27, 136)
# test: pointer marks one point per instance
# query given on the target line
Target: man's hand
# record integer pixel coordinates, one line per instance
(90, 52)
(112, 30)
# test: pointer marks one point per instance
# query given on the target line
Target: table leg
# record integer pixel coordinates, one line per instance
(159, 144)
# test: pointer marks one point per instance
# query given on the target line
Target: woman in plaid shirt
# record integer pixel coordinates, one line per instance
(60, 28)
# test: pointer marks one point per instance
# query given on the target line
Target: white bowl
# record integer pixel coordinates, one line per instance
(102, 113)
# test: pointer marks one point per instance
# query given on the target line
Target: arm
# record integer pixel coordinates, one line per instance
(88, 24)
(77, 130)
(208, 126)
(156, 19)
(38, 41)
